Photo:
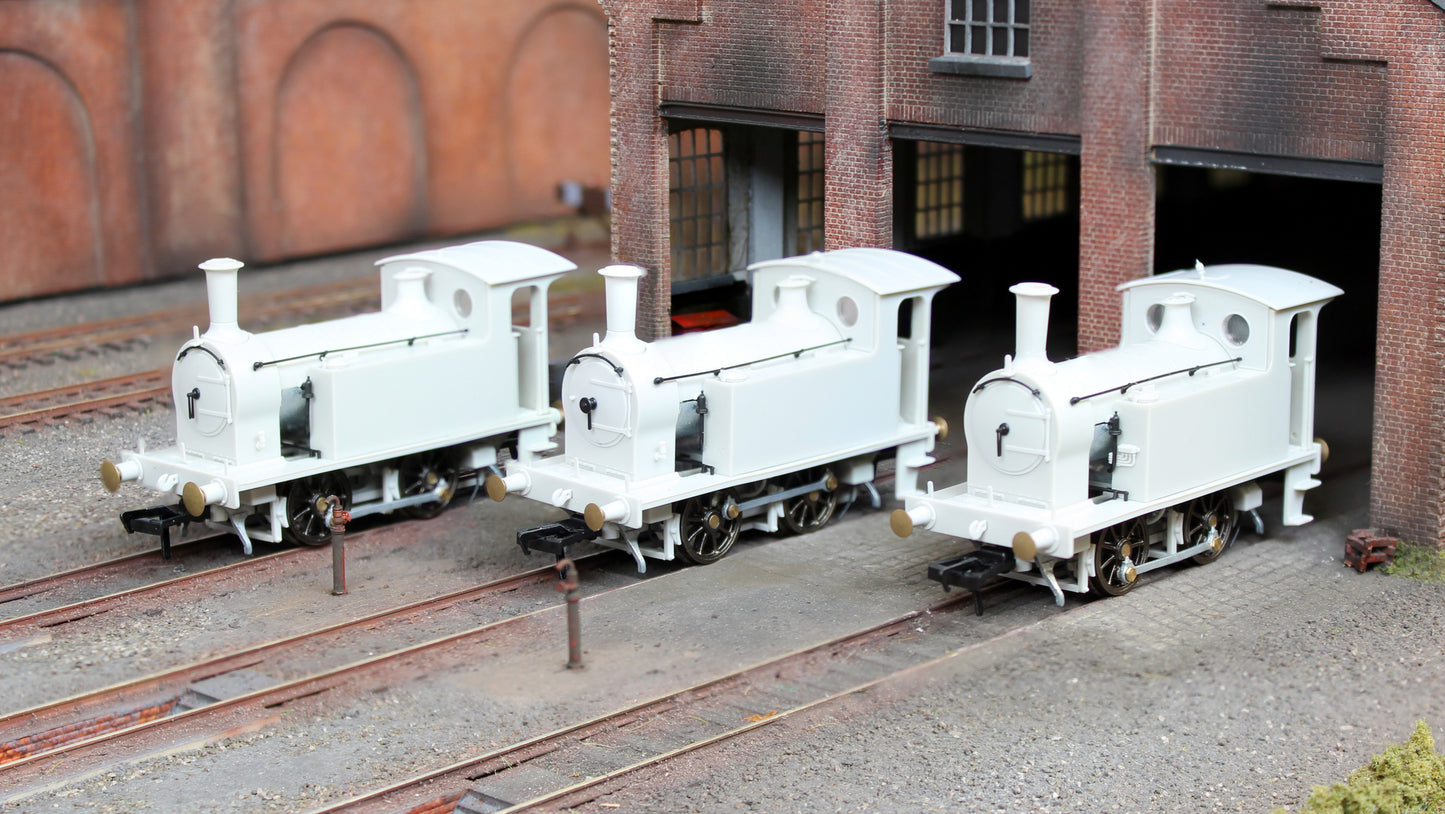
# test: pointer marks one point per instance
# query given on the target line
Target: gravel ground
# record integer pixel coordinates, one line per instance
(53, 512)
(1233, 687)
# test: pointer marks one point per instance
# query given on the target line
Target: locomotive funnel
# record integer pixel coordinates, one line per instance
(621, 282)
(1031, 332)
(221, 274)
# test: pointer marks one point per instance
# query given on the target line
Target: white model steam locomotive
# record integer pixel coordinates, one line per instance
(675, 446)
(386, 410)
(1126, 460)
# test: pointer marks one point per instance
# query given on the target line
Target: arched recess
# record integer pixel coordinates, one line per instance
(557, 100)
(50, 237)
(349, 149)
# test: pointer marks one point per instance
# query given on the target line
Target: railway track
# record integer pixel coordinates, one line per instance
(131, 567)
(29, 411)
(198, 583)
(253, 710)
(105, 397)
(58, 724)
(69, 342)
(569, 767)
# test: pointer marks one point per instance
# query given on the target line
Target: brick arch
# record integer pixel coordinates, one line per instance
(50, 231)
(348, 150)
(557, 132)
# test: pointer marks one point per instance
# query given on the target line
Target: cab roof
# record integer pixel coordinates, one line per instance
(494, 262)
(884, 271)
(1275, 288)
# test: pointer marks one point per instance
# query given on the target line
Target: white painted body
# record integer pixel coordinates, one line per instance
(819, 377)
(440, 366)
(1218, 411)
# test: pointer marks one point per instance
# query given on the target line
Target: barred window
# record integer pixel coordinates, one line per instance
(998, 28)
(938, 195)
(698, 203)
(1045, 185)
(806, 234)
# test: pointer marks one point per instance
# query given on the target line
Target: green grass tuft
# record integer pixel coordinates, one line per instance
(1407, 778)
(1423, 563)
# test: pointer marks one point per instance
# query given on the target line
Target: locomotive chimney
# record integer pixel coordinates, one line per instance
(221, 274)
(1031, 332)
(621, 282)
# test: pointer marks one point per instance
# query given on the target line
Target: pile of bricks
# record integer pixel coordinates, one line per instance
(1364, 548)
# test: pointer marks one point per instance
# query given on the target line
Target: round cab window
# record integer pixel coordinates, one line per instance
(847, 311)
(1236, 329)
(1154, 317)
(462, 301)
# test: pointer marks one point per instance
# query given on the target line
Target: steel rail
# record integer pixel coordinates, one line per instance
(587, 790)
(170, 683)
(86, 608)
(139, 388)
(449, 780)
(69, 392)
(248, 712)
(51, 582)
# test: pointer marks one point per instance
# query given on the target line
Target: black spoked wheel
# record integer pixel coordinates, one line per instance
(306, 509)
(433, 472)
(812, 510)
(1211, 519)
(705, 532)
(1118, 549)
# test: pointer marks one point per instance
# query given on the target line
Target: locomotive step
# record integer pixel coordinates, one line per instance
(157, 520)
(555, 538)
(970, 571)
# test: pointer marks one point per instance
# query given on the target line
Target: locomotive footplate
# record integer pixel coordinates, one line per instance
(157, 520)
(554, 538)
(970, 571)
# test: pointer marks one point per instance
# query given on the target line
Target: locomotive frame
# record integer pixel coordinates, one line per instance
(676, 446)
(1126, 460)
(390, 411)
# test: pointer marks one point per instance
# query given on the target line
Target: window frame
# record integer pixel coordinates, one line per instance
(698, 203)
(1010, 62)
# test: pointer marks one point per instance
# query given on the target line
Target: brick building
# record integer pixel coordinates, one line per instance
(1108, 138)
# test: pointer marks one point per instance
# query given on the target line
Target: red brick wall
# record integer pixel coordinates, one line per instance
(1407, 492)
(194, 181)
(857, 156)
(777, 65)
(1250, 77)
(1116, 182)
(369, 122)
(1046, 103)
(639, 152)
(68, 178)
(138, 138)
